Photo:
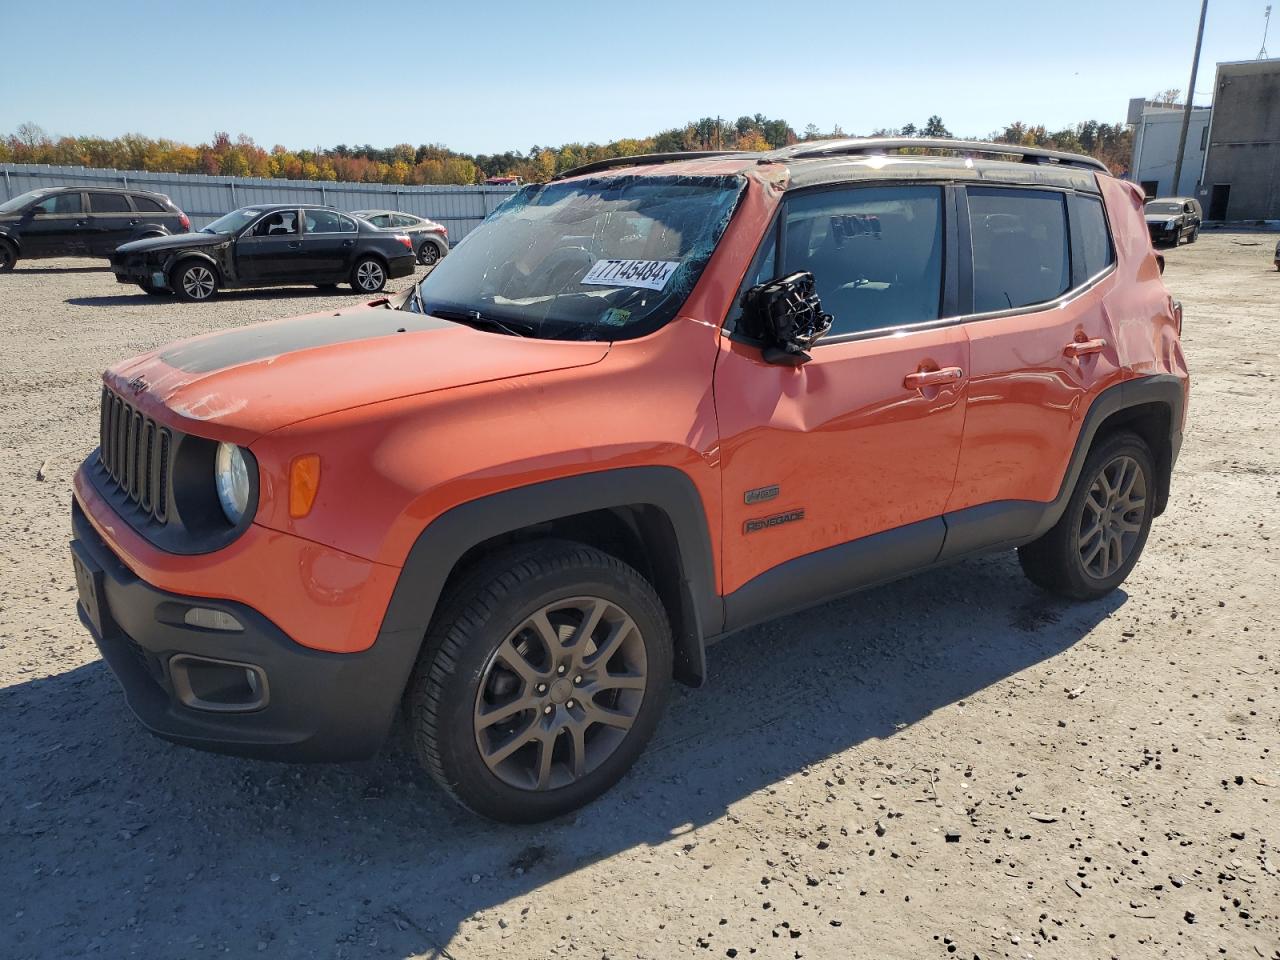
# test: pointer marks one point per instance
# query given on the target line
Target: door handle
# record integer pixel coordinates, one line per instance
(82, 223)
(1079, 348)
(931, 378)
(134, 222)
(295, 243)
(348, 243)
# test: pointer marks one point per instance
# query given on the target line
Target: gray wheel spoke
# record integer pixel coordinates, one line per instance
(513, 743)
(619, 681)
(610, 718)
(578, 749)
(546, 753)
(505, 712)
(514, 659)
(547, 634)
(618, 633)
(590, 621)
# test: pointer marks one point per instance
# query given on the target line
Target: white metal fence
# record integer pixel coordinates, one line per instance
(205, 198)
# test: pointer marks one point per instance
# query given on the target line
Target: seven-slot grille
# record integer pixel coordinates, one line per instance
(134, 451)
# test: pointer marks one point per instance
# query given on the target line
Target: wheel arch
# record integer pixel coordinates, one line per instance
(649, 517)
(1152, 407)
(185, 256)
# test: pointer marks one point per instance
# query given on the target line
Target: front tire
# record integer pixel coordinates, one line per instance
(194, 281)
(540, 682)
(369, 275)
(8, 256)
(1194, 235)
(1099, 537)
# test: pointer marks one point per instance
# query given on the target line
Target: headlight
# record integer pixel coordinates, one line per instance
(231, 476)
(1168, 224)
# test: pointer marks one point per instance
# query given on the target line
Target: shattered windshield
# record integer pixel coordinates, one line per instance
(232, 222)
(599, 259)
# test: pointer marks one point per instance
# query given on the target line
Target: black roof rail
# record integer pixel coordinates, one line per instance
(645, 158)
(860, 146)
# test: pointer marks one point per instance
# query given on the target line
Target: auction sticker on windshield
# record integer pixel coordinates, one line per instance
(651, 274)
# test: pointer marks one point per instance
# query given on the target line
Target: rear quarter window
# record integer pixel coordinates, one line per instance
(1095, 239)
(147, 205)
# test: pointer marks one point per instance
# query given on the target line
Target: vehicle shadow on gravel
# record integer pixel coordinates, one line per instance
(21, 268)
(118, 842)
(230, 296)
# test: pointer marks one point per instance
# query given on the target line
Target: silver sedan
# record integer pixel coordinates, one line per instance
(430, 239)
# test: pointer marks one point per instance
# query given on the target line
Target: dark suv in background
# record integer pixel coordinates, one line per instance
(82, 222)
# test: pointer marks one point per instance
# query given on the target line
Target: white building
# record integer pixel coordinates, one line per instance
(1156, 128)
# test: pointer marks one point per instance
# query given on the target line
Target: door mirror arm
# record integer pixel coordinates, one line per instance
(786, 315)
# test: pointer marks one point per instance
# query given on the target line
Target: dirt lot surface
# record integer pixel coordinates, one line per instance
(953, 765)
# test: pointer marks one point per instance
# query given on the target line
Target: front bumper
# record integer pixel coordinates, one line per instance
(136, 268)
(301, 704)
(1160, 235)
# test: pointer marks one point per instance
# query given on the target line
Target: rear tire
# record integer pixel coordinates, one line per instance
(8, 256)
(369, 275)
(428, 254)
(567, 711)
(194, 281)
(1100, 535)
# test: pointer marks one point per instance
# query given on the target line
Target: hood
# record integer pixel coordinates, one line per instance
(176, 241)
(250, 381)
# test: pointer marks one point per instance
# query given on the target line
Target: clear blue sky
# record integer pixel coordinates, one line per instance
(489, 76)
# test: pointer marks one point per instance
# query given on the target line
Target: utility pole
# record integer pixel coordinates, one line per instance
(1191, 96)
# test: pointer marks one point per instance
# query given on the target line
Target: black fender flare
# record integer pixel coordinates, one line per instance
(445, 540)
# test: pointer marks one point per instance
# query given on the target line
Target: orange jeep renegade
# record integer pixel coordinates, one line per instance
(643, 406)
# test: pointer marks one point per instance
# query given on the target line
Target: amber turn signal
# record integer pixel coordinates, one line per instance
(304, 484)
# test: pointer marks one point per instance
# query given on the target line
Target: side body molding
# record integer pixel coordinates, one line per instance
(447, 538)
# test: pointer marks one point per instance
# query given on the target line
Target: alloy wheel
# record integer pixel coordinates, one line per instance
(1111, 521)
(429, 254)
(198, 282)
(560, 693)
(370, 275)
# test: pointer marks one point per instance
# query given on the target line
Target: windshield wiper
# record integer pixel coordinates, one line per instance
(474, 318)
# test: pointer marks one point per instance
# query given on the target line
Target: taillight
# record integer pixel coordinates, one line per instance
(444, 230)
(405, 240)
(184, 220)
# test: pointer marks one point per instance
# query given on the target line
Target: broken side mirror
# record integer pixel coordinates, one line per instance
(786, 315)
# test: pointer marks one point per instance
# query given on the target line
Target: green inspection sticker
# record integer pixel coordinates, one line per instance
(614, 317)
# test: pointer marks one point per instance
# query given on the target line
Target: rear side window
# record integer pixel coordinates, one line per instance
(326, 221)
(404, 220)
(1095, 240)
(108, 203)
(875, 254)
(1020, 252)
(61, 203)
(380, 220)
(148, 205)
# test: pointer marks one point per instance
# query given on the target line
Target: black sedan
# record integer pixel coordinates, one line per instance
(267, 245)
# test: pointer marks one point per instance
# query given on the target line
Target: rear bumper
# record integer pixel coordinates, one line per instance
(190, 684)
(402, 266)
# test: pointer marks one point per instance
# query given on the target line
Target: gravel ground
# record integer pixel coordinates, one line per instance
(952, 765)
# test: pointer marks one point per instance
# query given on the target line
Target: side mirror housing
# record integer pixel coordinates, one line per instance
(1160, 261)
(786, 315)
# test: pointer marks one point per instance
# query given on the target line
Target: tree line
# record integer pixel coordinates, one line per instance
(436, 164)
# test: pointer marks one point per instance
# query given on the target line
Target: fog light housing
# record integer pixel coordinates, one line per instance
(217, 686)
